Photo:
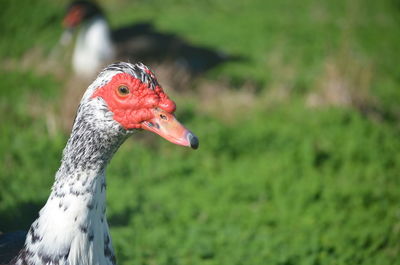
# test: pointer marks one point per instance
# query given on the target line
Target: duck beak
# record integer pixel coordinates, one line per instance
(66, 37)
(167, 126)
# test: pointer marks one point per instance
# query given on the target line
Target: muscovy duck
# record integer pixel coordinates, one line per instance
(72, 226)
(96, 44)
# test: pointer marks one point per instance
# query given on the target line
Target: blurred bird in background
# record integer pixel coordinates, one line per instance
(96, 44)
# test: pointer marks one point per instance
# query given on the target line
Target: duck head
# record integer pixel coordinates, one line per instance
(80, 11)
(130, 96)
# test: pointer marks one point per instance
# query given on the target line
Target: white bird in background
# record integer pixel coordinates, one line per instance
(97, 45)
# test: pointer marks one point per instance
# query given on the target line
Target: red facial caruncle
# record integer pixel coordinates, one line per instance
(74, 17)
(136, 106)
(132, 101)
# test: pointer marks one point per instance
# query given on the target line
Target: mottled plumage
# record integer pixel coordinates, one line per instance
(72, 226)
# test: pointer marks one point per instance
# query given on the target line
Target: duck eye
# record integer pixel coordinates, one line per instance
(123, 90)
(162, 116)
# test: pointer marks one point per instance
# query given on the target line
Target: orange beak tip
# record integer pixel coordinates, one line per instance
(166, 125)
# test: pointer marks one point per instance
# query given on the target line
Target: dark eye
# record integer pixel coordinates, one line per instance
(162, 116)
(123, 90)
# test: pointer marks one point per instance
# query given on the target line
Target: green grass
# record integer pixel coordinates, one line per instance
(279, 183)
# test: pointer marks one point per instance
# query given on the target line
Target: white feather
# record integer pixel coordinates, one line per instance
(94, 48)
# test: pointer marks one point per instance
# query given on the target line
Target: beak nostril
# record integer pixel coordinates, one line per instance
(167, 126)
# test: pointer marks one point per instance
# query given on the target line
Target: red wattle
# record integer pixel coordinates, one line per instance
(132, 109)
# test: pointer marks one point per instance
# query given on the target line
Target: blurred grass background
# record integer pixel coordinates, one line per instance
(299, 154)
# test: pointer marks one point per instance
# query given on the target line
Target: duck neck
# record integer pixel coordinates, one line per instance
(91, 146)
(72, 226)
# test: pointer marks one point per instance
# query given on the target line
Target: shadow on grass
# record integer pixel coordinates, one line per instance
(20, 217)
(14, 223)
(141, 41)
